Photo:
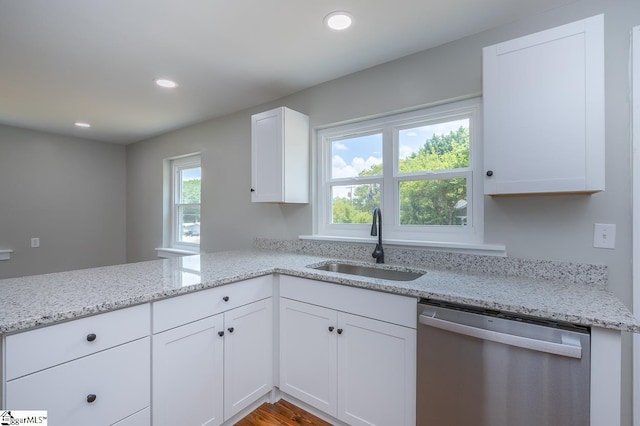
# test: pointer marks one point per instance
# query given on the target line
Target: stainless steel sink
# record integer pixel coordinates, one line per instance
(369, 271)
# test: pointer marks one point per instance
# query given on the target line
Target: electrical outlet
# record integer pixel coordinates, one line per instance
(35, 242)
(604, 235)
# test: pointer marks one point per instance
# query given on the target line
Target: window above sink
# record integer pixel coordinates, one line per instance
(419, 167)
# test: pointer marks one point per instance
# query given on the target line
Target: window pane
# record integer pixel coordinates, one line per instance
(354, 203)
(190, 186)
(189, 224)
(358, 156)
(439, 146)
(433, 202)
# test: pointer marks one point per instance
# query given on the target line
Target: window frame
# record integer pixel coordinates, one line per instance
(177, 165)
(390, 126)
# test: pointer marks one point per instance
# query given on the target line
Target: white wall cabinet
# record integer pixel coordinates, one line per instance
(217, 365)
(95, 370)
(280, 156)
(543, 98)
(358, 369)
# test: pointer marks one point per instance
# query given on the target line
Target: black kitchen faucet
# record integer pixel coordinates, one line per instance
(376, 229)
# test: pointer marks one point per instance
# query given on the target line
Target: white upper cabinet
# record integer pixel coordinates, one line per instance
(280, 157)
(544, 111)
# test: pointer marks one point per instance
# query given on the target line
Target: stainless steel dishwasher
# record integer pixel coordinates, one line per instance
(479, 367)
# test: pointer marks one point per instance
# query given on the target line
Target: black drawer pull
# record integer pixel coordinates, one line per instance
(226, 298)
(90, 338)
(90, 398)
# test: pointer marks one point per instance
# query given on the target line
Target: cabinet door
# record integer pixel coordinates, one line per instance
(543, 100)
(187, 374)
(308, 354)
(376, 372)
(248, 355)
(267, 183)
(97, 389)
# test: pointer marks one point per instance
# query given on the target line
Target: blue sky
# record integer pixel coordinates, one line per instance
(190, 174)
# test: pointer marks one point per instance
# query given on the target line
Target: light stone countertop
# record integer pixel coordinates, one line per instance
(38, 300)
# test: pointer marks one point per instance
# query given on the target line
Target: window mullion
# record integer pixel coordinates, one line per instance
(389, 199)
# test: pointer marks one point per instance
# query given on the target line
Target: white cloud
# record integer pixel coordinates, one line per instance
(340, 168)
(339, 146)
(406, 150)
(338, 162)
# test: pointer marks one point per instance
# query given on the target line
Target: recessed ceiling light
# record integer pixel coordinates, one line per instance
(82, 124)
(338, 20)
(163, 82)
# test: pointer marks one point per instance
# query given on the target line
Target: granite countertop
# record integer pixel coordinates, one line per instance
(38, 300)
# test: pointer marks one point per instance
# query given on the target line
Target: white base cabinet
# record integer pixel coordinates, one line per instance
(358, 369)
(308, 354)
(90, 371)
(141, 418)
(187, 374)
(376, 373)
(248, 355)
(214, 367)
(98, 389)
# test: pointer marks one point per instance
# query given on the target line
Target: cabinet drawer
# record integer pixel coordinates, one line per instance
(45, 347)
(141, 418)
(393, 308)
(170, 313)
(118, 377)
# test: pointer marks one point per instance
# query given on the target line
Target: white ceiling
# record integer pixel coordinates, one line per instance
(63, 61)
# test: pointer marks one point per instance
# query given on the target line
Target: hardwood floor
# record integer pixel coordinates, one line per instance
(282, 413)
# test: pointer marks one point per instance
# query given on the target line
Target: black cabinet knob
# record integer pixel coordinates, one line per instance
(226, 298)
(489, 173)
(339, 331)
(253, 190)
(220, 333)
(230, 329)
(91, 337)
(90, 398)
(330, 328)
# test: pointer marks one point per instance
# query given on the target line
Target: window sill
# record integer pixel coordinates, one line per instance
(470, 248)
(169, 252)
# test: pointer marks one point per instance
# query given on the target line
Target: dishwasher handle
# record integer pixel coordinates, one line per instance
(507, 339)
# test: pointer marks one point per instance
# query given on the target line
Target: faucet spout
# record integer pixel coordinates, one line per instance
(376, 229)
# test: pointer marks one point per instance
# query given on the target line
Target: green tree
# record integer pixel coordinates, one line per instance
(191, 191)
(435, 201)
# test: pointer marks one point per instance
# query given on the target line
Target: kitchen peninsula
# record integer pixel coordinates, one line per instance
(566, 292)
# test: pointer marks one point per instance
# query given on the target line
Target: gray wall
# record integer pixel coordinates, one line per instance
(555, 228)
(70, 193)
